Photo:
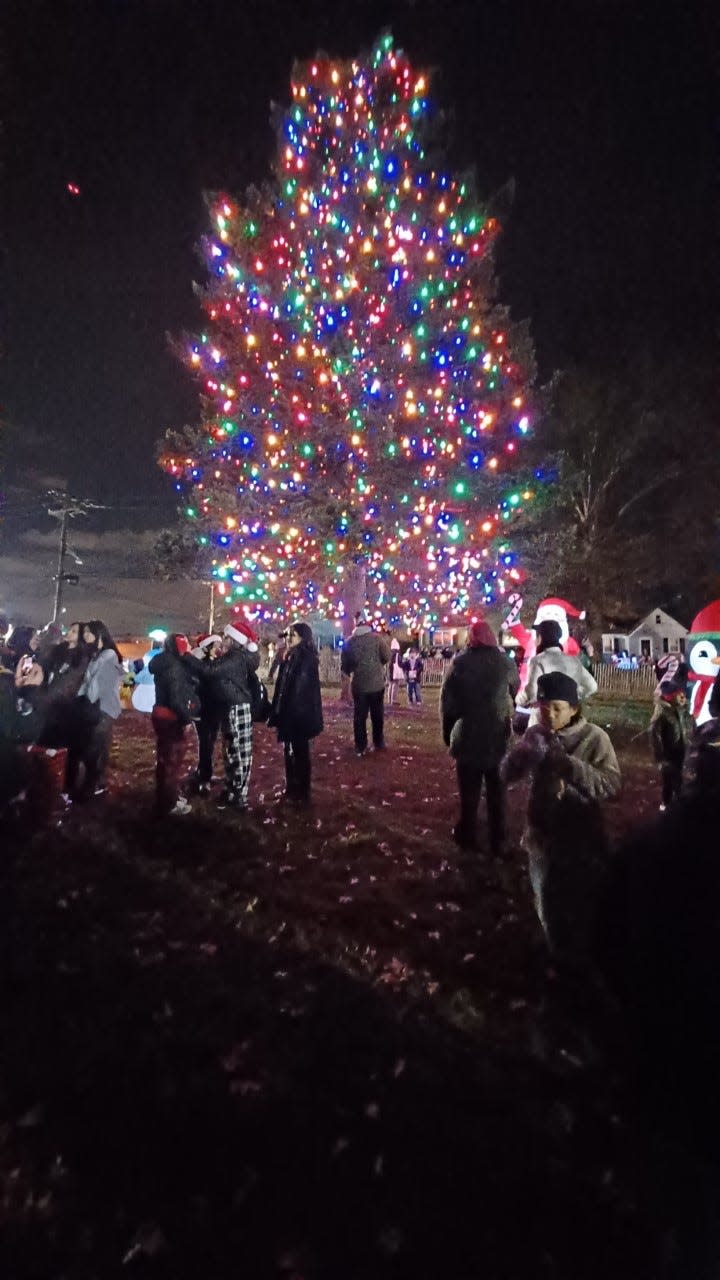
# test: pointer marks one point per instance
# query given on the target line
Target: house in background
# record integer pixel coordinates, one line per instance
(654, 635)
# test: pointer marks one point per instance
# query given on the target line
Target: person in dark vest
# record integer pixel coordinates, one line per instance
(476, 708)
(296, 710)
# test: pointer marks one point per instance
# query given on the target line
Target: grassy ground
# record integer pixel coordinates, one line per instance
(306, 1046)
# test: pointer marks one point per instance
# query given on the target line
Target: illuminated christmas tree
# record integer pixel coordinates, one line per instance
(363, 395)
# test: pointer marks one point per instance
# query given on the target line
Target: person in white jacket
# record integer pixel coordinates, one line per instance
(550, 657)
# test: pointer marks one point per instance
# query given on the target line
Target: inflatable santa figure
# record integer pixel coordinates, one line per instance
(703, 656)
(555, 610)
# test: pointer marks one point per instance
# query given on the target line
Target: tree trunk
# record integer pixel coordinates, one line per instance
(353, 597)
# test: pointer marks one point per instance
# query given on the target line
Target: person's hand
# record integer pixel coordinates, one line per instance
(31, 679)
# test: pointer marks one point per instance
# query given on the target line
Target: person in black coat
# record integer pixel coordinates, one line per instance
(20, 724)
(228, 685)
(296, 710)
(177, 677)
(475, 709)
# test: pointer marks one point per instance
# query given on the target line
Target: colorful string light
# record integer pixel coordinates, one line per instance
(361, 390)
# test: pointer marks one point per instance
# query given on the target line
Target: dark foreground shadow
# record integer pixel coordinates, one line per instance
(182, 1101)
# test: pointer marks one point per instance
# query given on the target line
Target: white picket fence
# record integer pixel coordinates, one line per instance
(639, 684)
(634, 685)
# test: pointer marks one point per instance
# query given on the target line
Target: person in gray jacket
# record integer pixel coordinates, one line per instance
(475, 708)
(365, 658)
(101, 688)
(551, 657)
(573, 767)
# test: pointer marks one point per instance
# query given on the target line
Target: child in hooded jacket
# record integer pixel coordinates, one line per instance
(670, 729)
(573, 767)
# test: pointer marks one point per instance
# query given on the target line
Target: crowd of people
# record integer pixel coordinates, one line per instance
(60, 698)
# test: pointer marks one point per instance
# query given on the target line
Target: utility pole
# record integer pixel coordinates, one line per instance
(60, 575)
(65, 508)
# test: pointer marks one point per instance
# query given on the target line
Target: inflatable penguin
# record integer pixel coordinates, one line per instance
(703, 657)
(143, 694)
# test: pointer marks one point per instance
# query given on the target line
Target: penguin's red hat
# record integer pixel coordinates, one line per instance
(708, 619)
(556, 603)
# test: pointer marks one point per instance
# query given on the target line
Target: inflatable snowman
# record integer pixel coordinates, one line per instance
(703, 657)
(555, 610)
(143, 694)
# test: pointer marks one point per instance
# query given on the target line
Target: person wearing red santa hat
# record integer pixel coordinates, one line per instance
(228, 688)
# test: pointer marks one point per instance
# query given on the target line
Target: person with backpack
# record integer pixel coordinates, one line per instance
(232, 687)
(296, 710)
(177, 677)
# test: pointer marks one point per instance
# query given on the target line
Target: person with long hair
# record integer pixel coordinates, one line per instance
(65, 667)
(228, 683)
(101, 687)
(296, 710)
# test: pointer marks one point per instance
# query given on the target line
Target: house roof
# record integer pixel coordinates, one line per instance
(666, 619)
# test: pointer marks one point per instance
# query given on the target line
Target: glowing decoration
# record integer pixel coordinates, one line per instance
(72, 188)
(553, 609)
(353, 358)
(703, 654)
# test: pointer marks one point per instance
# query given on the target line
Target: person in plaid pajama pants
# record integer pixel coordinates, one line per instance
(227, 687)
(238, 743)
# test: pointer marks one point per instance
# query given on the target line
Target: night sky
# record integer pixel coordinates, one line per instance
(604, 113)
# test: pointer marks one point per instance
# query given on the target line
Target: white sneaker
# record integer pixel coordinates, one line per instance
(661, 808)
(182, 807)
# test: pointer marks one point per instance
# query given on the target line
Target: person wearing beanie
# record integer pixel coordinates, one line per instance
(296, 711)
(227, 688)
(364, 658)
(177, 704)
(670, 729)
(476, 702)
(550, 657)
(573, 767)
